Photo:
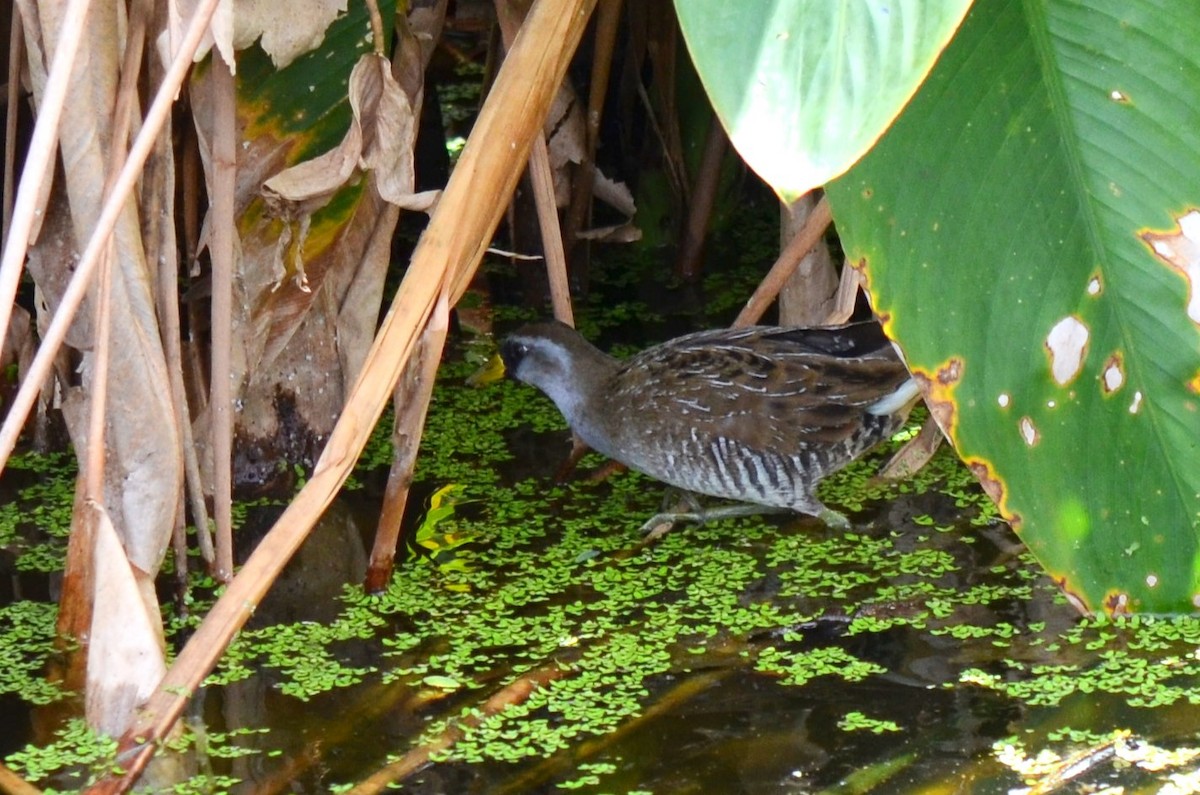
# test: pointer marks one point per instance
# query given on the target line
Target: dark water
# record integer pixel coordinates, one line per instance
(757, 656)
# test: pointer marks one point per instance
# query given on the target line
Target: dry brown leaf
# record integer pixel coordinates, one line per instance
(19, 343)
(566, 139)
(285, 306)
(355, 329)
(315, 180)
(620, 233)
(388, 131)
(125, 654)
(145, 472)
(618, 196)
(239, 23)
(915, 454)
(615, 194)
(380, 140)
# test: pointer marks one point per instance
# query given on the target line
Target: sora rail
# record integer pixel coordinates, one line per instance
(758, 415)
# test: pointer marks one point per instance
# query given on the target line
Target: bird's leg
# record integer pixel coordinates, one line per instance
(578, 451)
(687, 508)
(700, 515)
(677, 500)
(677, 506)
(809, 504)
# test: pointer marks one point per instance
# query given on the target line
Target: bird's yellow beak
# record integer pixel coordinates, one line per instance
(491, 372)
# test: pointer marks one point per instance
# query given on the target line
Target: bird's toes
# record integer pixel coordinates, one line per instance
(834, 519)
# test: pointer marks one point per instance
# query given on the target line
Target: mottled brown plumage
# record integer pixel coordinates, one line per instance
(757, 415)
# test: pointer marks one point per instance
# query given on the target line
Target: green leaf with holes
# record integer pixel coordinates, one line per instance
(1030, 232)
(819, 80)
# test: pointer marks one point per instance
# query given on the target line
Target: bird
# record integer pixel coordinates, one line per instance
(758, 415)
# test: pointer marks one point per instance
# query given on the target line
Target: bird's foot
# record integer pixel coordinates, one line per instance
(661, 523)
(677, 506)
(834, 520)
(689, 509)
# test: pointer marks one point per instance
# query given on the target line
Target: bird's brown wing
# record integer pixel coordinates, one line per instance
(765, 387)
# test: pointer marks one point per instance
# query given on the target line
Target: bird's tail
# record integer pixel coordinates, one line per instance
(901, 399)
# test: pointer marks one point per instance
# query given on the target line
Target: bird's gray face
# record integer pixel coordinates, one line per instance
(558, 361)
(536, 361)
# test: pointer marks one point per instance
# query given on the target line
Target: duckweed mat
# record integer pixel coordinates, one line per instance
(531, 642)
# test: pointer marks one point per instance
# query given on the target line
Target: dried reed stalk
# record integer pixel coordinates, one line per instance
(608, 17)
(412, 403)
(221, 251)
(541, 175)
(16, 51)
(785, 266)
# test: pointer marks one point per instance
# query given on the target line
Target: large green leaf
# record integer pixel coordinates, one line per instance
(804, 87)
(1029, 231)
